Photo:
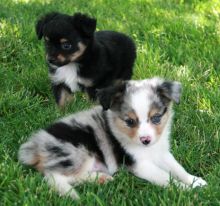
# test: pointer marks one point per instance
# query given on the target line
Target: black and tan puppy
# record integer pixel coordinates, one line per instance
(80, 58)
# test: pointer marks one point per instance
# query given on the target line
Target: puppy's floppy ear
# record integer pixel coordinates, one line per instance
(85, 24)
(111, 96)
(42, 22)
(170, 91)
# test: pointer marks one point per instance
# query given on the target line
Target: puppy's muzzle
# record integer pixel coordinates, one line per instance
(51, 60)
(145, 140)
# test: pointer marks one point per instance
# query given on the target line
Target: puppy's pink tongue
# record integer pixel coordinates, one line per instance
(145, 140)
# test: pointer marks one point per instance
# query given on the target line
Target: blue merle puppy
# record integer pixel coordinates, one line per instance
(131, 128)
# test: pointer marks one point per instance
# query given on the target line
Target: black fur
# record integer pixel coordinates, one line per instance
(66, 163)
(57, 90)
(57, 151)
(169, 91)
(111, 96)
(77, 136)
(109, 55)
(122, 157)
(84, 136)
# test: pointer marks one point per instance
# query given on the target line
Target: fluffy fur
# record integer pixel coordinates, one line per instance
(80, 58)
(131, 128)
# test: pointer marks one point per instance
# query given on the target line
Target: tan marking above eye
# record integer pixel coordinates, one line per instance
(63, 40)
(152, 112)
(132, 115)
(46, 38)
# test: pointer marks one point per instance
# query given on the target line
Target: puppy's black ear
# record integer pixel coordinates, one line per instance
(42, 22)
(85, 24)
(170, 91)
(111, 96)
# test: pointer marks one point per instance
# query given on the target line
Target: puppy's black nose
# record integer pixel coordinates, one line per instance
(145, 140)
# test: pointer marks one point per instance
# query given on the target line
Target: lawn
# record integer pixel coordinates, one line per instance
(176, 39)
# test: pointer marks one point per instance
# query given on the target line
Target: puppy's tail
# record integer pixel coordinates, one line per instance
(28, 153)
(34, 153)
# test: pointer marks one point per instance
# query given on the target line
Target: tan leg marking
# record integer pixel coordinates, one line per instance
(65, 98)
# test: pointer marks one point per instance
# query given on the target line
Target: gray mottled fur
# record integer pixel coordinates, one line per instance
(40, 143)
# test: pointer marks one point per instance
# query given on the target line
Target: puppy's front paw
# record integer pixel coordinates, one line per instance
(181, 185)
(197, 182)
(104, 178)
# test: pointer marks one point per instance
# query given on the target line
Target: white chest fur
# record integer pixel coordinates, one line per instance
(68, 74)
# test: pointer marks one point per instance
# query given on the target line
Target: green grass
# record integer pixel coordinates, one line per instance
(176, 39)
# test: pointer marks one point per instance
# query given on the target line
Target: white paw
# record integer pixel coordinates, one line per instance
(181, 185)
(197, 182)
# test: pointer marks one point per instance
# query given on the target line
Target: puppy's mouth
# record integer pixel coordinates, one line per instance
(145, 140)
(56, 63)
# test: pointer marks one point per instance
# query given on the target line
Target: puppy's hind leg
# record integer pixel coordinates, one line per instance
(92, 171)
(62, 184)
(99, 177)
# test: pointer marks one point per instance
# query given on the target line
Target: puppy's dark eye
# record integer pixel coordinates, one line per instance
(130, 122)
(66, 46)
(156, 119)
